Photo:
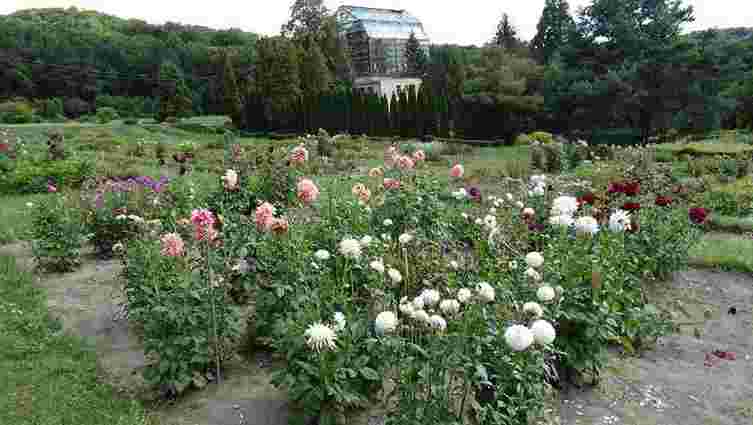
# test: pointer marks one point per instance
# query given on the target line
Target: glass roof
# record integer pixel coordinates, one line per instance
(381, 23)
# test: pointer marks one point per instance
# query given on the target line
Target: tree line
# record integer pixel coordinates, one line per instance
(622, 65)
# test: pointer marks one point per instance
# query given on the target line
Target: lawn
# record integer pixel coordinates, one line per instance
(729, 252)
(49, 378)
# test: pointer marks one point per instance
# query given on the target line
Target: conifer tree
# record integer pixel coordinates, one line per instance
(415, 57)
(553, 29)
(231, 93)
(506, 35)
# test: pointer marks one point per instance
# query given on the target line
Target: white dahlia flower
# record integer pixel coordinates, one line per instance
(449, 307)
(386, 322)
(519, 204)
(395, 275)
(320, 337)
(350, 248)
(519, 337)
(509, 197)
(545, 294)
(586, 225)
(464, 295)
(406, 309)
(619, 221)
(431, 297)
(322, 255)
(366, 241)
(377, 266)
(532, 274)
(340, 321)
(534, 309)
(543, 332)
(421, 316)
(534, 259)
(405, 238)
(454, 265)
(387, 222)
(418, 303)
(563, 220)
(437, 322)
(485, 292)
(564, 205)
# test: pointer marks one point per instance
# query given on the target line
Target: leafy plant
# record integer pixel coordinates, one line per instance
(57, 235)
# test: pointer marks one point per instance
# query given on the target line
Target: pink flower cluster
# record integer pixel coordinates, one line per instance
(361, 192)
(391, 184)
(307, 191)
(405, 162)
(265, 220)
(419, 156)
(264, 216)
(299, 155)
(390, 156)
(203, 222)
(172, 245)
(457, 171)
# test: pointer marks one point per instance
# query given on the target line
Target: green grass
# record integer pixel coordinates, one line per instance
(726, 253)
(48, 378)
(736, 224)
(15, 220)
(706, 148)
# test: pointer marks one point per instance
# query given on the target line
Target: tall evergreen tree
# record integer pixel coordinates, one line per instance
(174, 96)
(506, 35)
(277, 80)
(231, 93)
(415, 57)
(552, 30)
(315, 76)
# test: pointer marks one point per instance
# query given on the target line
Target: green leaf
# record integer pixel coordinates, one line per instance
(369, 374)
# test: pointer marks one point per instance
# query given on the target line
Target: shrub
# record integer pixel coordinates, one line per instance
(522, 140)
(16, 113)
(75, 107)
(30, 176)
(56, 234)
(106, 115)
(130, 121)
(177, 309)
(542, 137)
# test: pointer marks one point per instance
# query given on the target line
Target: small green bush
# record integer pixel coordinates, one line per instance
(57, 235)
(29, 176)
(16, 113)
(542, 137)
(106, 115)
(522, 140)
(130, 121)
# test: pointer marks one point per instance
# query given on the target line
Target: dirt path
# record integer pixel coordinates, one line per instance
(669, 385)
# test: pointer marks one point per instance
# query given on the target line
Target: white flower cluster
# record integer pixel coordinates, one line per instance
(538, 185)
(586, 225)
(496, 202)
(320, 337)
(519, 337)
(619, 221)
(350, 248)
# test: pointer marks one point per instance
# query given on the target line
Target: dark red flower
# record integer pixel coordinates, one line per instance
(698, 215)
(616, 187)
(4, 147)
(631, 206)
(663, 201)
(632, 189)
(536, 227)
(474, 193)
(587, 198)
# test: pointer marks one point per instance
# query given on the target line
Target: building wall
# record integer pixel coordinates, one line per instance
(385, 86)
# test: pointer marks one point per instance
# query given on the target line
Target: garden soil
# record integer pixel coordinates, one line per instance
(678, 382)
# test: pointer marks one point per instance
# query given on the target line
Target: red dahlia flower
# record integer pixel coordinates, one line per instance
(631, 206)
(663, 201)
(587, 198)
(698, 215)
(616, 187)
(631, 189)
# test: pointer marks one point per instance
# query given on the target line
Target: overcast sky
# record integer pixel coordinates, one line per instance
(460, 22)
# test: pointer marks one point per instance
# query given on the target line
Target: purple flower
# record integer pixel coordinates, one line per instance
(474, 193)
(536, 227)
